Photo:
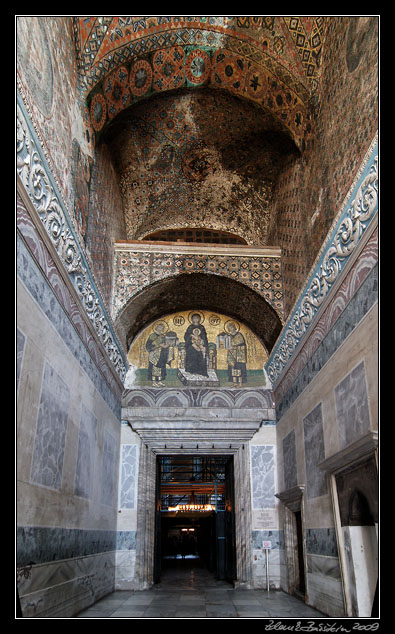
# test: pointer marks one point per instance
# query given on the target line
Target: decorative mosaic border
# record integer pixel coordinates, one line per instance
(354, 298)
(135, 269)
(43, 193)
(355, 217)
(192, 66)
(96, 60)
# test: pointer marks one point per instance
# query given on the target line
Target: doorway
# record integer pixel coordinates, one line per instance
(195, 523)
(300, 587)
(357, 494)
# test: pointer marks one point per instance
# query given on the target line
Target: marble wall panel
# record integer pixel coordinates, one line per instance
(61, 589)
(352, 407)
(262, 470)
(50, 440)
(57, 313)
(125, 567)
(108, 470)
(41, 544)
(87, 449)
(289, 458)
(321, 541)
(128, 477)
(20, 346)
(316, 484)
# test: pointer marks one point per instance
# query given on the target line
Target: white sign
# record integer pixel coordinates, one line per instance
(267, 545)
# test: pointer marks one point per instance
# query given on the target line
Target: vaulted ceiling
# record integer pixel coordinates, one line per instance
(230, 103)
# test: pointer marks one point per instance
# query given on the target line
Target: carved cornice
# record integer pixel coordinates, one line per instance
(358, 451)
(358, 212)
(292, 498)
(42, 191)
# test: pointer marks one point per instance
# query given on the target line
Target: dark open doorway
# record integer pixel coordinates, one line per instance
(300, 582)
(195, 515)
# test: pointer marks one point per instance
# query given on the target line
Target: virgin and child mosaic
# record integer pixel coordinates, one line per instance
(197, 348)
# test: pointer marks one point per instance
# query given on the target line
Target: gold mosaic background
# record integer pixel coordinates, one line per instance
(215, 324)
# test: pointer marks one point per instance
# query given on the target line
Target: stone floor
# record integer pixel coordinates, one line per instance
(193, 593)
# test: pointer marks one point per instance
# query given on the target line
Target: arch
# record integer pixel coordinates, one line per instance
(173, 399)
(253, 400)
(359, 513)
(216, 399)
(123, 83)
(206, 291)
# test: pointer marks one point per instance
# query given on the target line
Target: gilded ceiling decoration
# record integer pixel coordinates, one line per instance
(272, 61)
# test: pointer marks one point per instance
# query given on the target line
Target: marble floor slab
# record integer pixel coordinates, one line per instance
(194, 593)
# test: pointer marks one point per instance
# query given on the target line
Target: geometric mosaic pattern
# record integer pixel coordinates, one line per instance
(135, 270)
(100, 40)
(273, 61)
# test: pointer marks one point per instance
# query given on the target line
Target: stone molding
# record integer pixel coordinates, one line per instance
(197, 418)
(156, 246)
(42, 191)
(358, 451)
(292, 498)
(348, 230)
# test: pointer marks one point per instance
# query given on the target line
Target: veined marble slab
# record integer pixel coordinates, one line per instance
(50, 440)
(61, 589)
(262, 471)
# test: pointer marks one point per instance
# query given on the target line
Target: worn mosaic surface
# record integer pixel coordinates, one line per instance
(207, 153)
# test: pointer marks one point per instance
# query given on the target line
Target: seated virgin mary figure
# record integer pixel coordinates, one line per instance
(196, 347)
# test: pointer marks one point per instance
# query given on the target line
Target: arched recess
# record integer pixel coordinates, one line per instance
(204, 291)
(268, 85)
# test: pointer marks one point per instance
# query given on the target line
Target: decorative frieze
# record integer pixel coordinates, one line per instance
(138, 264)
(355, 217)
(42, 191)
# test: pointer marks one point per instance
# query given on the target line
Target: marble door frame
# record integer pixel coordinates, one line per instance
(145, 539)
(356, 454)
(292, 500)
